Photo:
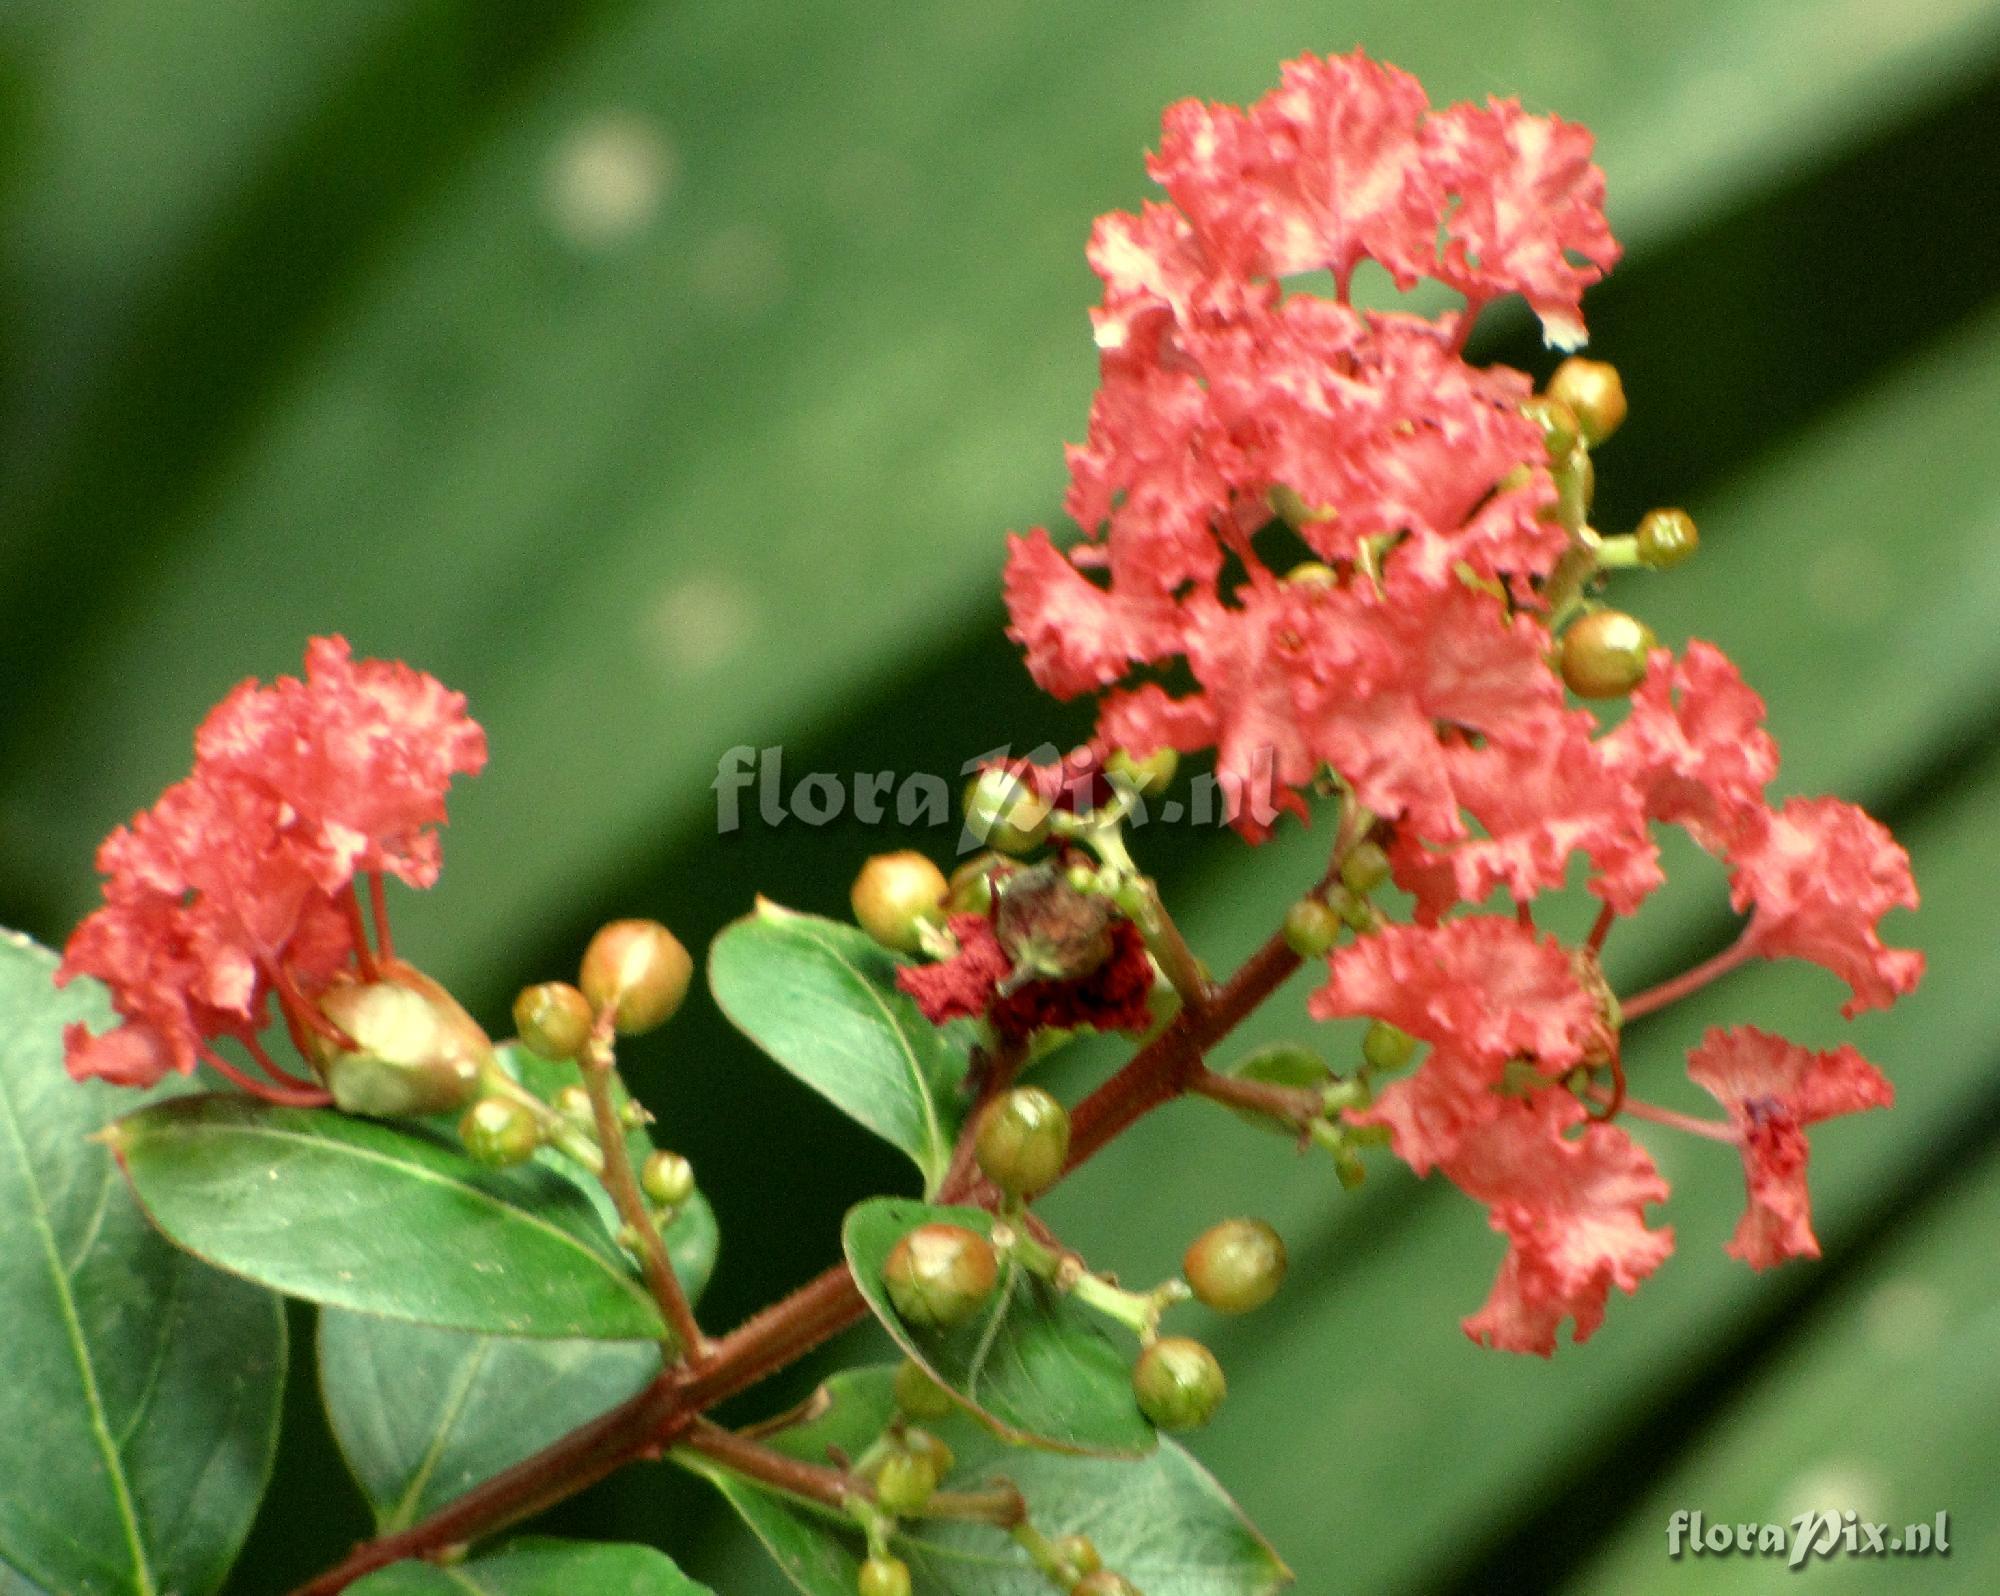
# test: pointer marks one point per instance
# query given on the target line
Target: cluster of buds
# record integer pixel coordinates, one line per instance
(941, 1276)
(633, 977)
(1029, 944)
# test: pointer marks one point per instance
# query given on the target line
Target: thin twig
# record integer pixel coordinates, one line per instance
(619, 1180)
(1741, 951)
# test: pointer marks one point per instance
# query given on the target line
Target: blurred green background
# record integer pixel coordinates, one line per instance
(665, 376)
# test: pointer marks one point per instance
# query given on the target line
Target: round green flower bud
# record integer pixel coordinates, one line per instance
(905, 1483)
(1594, 393)
(1178, 1383)
(894, 894)
(1558, 422)
(1105, 1583)
(552, 1020)
(499, 1131)
(1666, 538)
(638, 968)
(1002, 813)
(1364, 869)
(1236, 1266)
(1078, 1554)
(971, 888)
(573, 1103)
(416, 1051)
(1385, 1047)
(1151, 775)
(667, 1178)
(939, 1275)
(1022, 1141)
(1312, 573)
(919, 1396)
(1311, 928)
(884, 1576)
(1604, 654)
(925, 1445)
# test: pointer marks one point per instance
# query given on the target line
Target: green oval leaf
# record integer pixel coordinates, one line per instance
(139, 1400)
(423, 1415)
(356, 1214)
(1034, 1366)
(821, 999)
(1162, 1521)
(541, 1567)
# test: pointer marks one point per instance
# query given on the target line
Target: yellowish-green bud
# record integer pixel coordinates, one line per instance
(552, 1020)
(1594, 393)
(1022, 1141)
(1604, 654)
(940, 1275)
(1178, 1383)
(1236, 1266)
(639, 969)
(894, 894)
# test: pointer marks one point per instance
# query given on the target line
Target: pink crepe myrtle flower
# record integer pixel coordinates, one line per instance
(239, 885)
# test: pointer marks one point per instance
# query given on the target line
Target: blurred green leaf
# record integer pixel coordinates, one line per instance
(1883, 1407)
(1033, 1365)
(821, 999)
(538, 1566)
(1162, 1521)
(139, 1404)
(354, 1214)
(747, 340)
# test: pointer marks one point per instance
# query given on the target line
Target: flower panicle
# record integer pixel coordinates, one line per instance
(1322, 545)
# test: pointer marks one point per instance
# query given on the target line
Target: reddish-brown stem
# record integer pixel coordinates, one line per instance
(357, 927)
(1167, 1065)
(1163, 1069)
(623, 1186)
(378, 900)
(1738, 952)
(1297, 1106)
(270, 1091)
(271, 1067)
(641, 1425)
(1614, 1099)
(776, 1337)
(835, 1488)
(1601, 928)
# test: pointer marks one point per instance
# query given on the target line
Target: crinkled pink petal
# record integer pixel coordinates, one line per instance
(1694, 746)
(1538, 806)
(1773, 1089)
(1572, 1208)
(1818, 875)
(1484, 987)
(1528, 199)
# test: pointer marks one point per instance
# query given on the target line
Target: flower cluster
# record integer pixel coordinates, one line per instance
(1415, 658)
(239, 884)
